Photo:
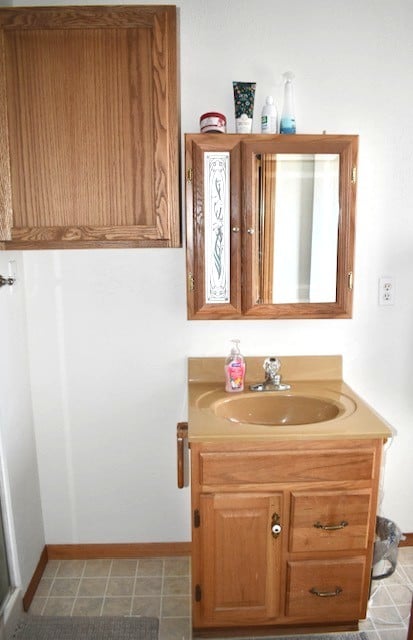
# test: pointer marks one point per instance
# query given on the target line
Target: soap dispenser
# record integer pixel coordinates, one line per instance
(287, 121)
(234, 369)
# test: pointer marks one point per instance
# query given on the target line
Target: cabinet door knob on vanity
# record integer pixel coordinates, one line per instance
(276, 528)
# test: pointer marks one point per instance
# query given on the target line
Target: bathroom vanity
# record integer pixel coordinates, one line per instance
(283, 508)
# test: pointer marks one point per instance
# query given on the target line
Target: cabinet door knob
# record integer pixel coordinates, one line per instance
(276, 528)
(235, 229)
(250, 230)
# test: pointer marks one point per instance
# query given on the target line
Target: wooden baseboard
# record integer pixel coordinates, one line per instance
(34, 582)
(121, 550)
(408, 542)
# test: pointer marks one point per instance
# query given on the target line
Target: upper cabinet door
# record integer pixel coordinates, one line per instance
(89, 127)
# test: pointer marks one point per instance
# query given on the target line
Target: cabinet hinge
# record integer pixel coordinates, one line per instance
(189, 175)
(198, 593)
(354, 175)
(191, 282)
(197, 519)
(350, 280)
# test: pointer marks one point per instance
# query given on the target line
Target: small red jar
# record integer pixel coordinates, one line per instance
(213, 122)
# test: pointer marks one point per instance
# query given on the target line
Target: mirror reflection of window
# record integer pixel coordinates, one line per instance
(298, 223)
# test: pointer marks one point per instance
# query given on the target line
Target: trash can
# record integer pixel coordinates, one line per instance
(388, 536)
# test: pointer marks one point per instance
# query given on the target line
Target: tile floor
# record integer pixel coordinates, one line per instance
(161, 587)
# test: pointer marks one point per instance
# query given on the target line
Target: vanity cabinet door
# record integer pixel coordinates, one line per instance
(89, 127)
(240, 559)
(214, 226)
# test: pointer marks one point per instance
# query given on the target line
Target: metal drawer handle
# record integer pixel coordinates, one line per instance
(331, 527)
(326, 594)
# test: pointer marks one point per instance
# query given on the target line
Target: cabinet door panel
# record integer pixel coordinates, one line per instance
(329, 520)
(213, 226)
(91, 163)
(326, 590)
(240, 558)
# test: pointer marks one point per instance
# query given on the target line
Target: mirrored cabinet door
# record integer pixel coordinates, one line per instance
(270, 225)
(299, 208)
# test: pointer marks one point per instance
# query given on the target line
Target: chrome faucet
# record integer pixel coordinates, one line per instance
(272, 380)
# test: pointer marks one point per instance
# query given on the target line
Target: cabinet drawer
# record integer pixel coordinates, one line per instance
(323, 590)
(329, 520)
(285, 466)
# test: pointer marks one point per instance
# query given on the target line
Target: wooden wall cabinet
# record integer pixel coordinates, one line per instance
(312, 571)
(89, 127)
(270, 225)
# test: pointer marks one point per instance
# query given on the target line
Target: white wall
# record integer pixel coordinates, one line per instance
(108, 332)
(19, 481)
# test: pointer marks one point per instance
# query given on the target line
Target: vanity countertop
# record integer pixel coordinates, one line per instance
(315, 376)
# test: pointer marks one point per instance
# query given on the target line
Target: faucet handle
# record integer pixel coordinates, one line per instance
(272, 365)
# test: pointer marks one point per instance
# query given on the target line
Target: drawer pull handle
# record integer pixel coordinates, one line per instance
(331, 527)
(276, 528)
(326, 594)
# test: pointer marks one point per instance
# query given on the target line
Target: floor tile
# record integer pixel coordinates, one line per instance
(124, 567)
(150, 586)
(174, 629)
(176, 586)
(118, 586)
(117, 606)
(92, 587)
(176, 606)
(97, 568)
(70, 568)
(58, 607)
(150, 567)
(146, 606)
(87, 607)
(64, 587)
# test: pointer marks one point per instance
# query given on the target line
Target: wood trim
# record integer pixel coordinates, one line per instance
(408, 542)
(34, 582)
(117, 550)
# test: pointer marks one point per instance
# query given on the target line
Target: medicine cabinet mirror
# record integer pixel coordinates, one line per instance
(270, 225)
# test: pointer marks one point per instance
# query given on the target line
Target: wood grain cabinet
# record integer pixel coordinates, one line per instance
(270, 225)
(89, 127)
(283, 534)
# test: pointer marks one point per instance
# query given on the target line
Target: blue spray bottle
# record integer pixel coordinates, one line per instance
(287, 121)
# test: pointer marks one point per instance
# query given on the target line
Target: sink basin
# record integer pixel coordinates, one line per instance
(274, 410)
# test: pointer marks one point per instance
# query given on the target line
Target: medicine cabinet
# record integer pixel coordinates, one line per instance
(270, 225)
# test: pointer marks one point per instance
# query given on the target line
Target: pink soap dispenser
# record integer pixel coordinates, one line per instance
(234, 369)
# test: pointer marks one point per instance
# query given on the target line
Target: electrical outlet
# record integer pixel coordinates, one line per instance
(386, 291)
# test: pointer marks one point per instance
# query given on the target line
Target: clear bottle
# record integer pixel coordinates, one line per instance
(234, 369)
(269, 116)
(287, 121)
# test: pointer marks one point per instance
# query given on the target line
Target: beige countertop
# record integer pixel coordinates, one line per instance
(310, 376)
